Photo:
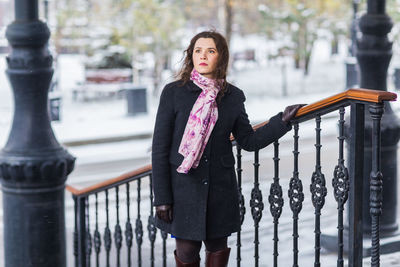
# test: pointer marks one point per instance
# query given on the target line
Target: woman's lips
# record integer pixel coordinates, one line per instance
(203, 64)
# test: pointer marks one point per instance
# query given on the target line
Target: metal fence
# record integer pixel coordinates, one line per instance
(131, 197)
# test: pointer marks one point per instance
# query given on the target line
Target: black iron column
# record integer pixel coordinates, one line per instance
(374, 52)
(33, 166)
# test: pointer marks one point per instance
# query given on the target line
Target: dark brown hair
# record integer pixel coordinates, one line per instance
(222, 63)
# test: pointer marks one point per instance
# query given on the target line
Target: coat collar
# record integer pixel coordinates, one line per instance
(192, 86)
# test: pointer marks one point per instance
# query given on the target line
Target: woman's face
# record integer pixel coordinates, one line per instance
(205, 56)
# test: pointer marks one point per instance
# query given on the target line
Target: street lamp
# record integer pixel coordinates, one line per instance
(33, 165)
(374, 52)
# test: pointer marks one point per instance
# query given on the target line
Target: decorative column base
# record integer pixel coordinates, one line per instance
(33, 220)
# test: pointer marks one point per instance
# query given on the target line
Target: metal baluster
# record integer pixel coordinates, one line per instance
(81, 226)
(117, 229)
(257, 206)
(318, 191)
(97, 237)
(139, 226)
(376, 180)
(276, 201)
(356, 180)
(88, 235)
(107, 233)
(75, 235)
(151, 226)
(164, 236)
(242, 208)
(340, 183)
(296, 195)
(128, 226)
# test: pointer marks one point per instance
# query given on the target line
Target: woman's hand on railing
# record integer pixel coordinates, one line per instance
(164, 212)
(290, 112)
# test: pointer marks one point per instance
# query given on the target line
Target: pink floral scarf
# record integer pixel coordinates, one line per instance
(200, 124)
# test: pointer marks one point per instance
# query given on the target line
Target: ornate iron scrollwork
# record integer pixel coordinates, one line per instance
(128, 234)
(107, 239)
(139, 232)
(275, 200)
(242, 208)
(88, 244)
(340, 183)
(318, 189)
(151, 227)
(118, 236)
(296, 195)
(164, 235)
(97, 241)
(376, 193)
(96, 236)
(256, 204)
(295, 191)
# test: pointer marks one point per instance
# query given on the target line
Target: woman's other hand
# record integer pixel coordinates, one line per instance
(164, 212)
(290, 112)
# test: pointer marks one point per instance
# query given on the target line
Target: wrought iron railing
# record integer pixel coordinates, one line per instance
(93, 215)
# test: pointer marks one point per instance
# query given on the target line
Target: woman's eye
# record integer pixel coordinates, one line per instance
(212, 51)
(197, 51)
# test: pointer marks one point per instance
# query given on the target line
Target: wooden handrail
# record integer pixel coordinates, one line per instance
(366, 95)
(106, 183)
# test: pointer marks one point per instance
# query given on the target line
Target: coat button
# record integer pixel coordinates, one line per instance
(205, 182)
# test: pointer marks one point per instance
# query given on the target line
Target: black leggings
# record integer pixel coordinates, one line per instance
(188, 250)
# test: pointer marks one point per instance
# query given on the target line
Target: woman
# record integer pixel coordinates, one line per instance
(195, 188)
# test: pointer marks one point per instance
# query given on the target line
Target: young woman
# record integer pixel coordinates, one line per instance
(195, 188)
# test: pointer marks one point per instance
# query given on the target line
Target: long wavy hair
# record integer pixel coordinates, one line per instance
(222, 64)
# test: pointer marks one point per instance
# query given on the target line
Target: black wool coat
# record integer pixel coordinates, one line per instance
(205, 201)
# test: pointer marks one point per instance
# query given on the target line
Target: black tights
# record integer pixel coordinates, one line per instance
(188, 250)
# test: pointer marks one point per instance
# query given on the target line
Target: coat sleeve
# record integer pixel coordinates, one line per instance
(162, 139)
(251, 140)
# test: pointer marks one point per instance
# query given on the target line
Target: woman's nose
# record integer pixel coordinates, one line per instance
(203, 55)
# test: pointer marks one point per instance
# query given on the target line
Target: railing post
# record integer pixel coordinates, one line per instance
(257, 206)
(296, 195)
(81, 226)
(242, 207)
(356, 164)
(376, 181)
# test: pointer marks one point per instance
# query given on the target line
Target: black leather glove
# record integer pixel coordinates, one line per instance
(164, 212)
(290, 112)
